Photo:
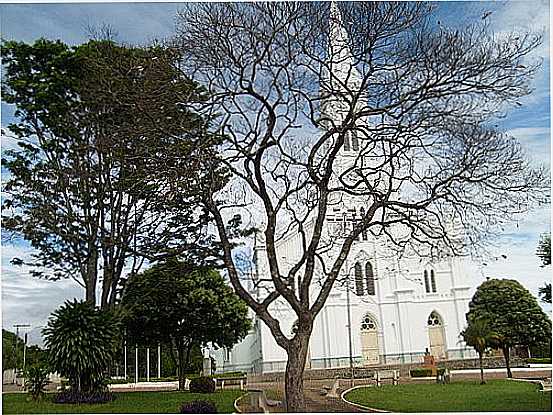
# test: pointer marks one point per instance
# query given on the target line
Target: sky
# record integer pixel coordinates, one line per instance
(28, 300)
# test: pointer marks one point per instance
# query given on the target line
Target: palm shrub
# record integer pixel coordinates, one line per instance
(479, 336)
(36, 379)
(82, 341)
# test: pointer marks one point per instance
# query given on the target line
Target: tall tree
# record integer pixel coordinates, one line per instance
(513, 315)
(92, 129)
(478, 335)
(187, 305)
(363, 106)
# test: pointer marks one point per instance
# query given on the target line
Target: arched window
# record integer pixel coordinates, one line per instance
(346, 142)
(368, 323)
(354, 141)
(358, 279)
(434, 319)
(370, 278)
(433, 281)
(426, 282)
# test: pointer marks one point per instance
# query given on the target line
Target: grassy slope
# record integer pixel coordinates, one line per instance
(496, 395)
(129, 402)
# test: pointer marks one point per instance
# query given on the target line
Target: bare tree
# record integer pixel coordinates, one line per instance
(360, 118)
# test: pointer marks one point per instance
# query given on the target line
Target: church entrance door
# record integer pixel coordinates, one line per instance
(369, 342)
(436, 336)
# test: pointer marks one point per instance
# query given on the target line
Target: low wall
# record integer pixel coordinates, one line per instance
(366, 372)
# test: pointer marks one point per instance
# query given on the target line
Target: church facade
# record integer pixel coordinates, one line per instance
(382, 309)
(397, 315)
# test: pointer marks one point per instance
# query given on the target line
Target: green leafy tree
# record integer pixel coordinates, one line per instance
(12, 352)
(92, 129)
(479, 335)
(190, 306)
(81, 341)
(36, 380)
(513, 315)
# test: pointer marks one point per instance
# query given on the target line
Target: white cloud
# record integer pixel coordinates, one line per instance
(27, 300)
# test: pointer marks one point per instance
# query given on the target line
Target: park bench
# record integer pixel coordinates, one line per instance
(381, 375)
(234, 380)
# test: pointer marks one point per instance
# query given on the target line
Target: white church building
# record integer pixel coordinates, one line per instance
(399, 310)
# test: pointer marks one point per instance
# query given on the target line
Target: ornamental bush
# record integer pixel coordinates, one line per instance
(202, 384)
(198, 407)
(36, 379)
(81, 342)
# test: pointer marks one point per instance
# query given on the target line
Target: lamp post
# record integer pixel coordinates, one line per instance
(17, 327)
(159, 360)
(348, 306)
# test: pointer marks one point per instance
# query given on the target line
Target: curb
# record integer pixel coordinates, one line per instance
(235, 404)
(366, 408)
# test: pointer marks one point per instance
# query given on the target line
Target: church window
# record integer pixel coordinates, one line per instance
(346, 142)
(434, 319)
(368, 323)
(358, 279)
(433, 281)
(426, 282)
(370, 278)
(354, 141)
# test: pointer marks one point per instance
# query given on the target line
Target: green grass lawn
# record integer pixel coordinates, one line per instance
(125, 402)
(495, 395)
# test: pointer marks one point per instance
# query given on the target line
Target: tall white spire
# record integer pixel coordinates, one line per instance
(342, 64)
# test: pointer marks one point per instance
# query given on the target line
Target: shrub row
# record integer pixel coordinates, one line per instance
(229, 375)
(539, 360)
(424, 372)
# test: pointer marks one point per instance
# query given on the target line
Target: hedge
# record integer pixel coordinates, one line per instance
(539, 360)
(424, 372)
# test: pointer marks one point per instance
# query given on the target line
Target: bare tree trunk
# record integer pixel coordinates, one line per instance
(481, 369)
(295, 366)
(91, 276)
(507, 361)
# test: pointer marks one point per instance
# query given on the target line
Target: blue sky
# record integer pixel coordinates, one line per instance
(27, 300)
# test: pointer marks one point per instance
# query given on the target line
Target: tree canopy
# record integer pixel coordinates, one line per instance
(94, 123)
(513, 314)
(12, 352)
(187, 305)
